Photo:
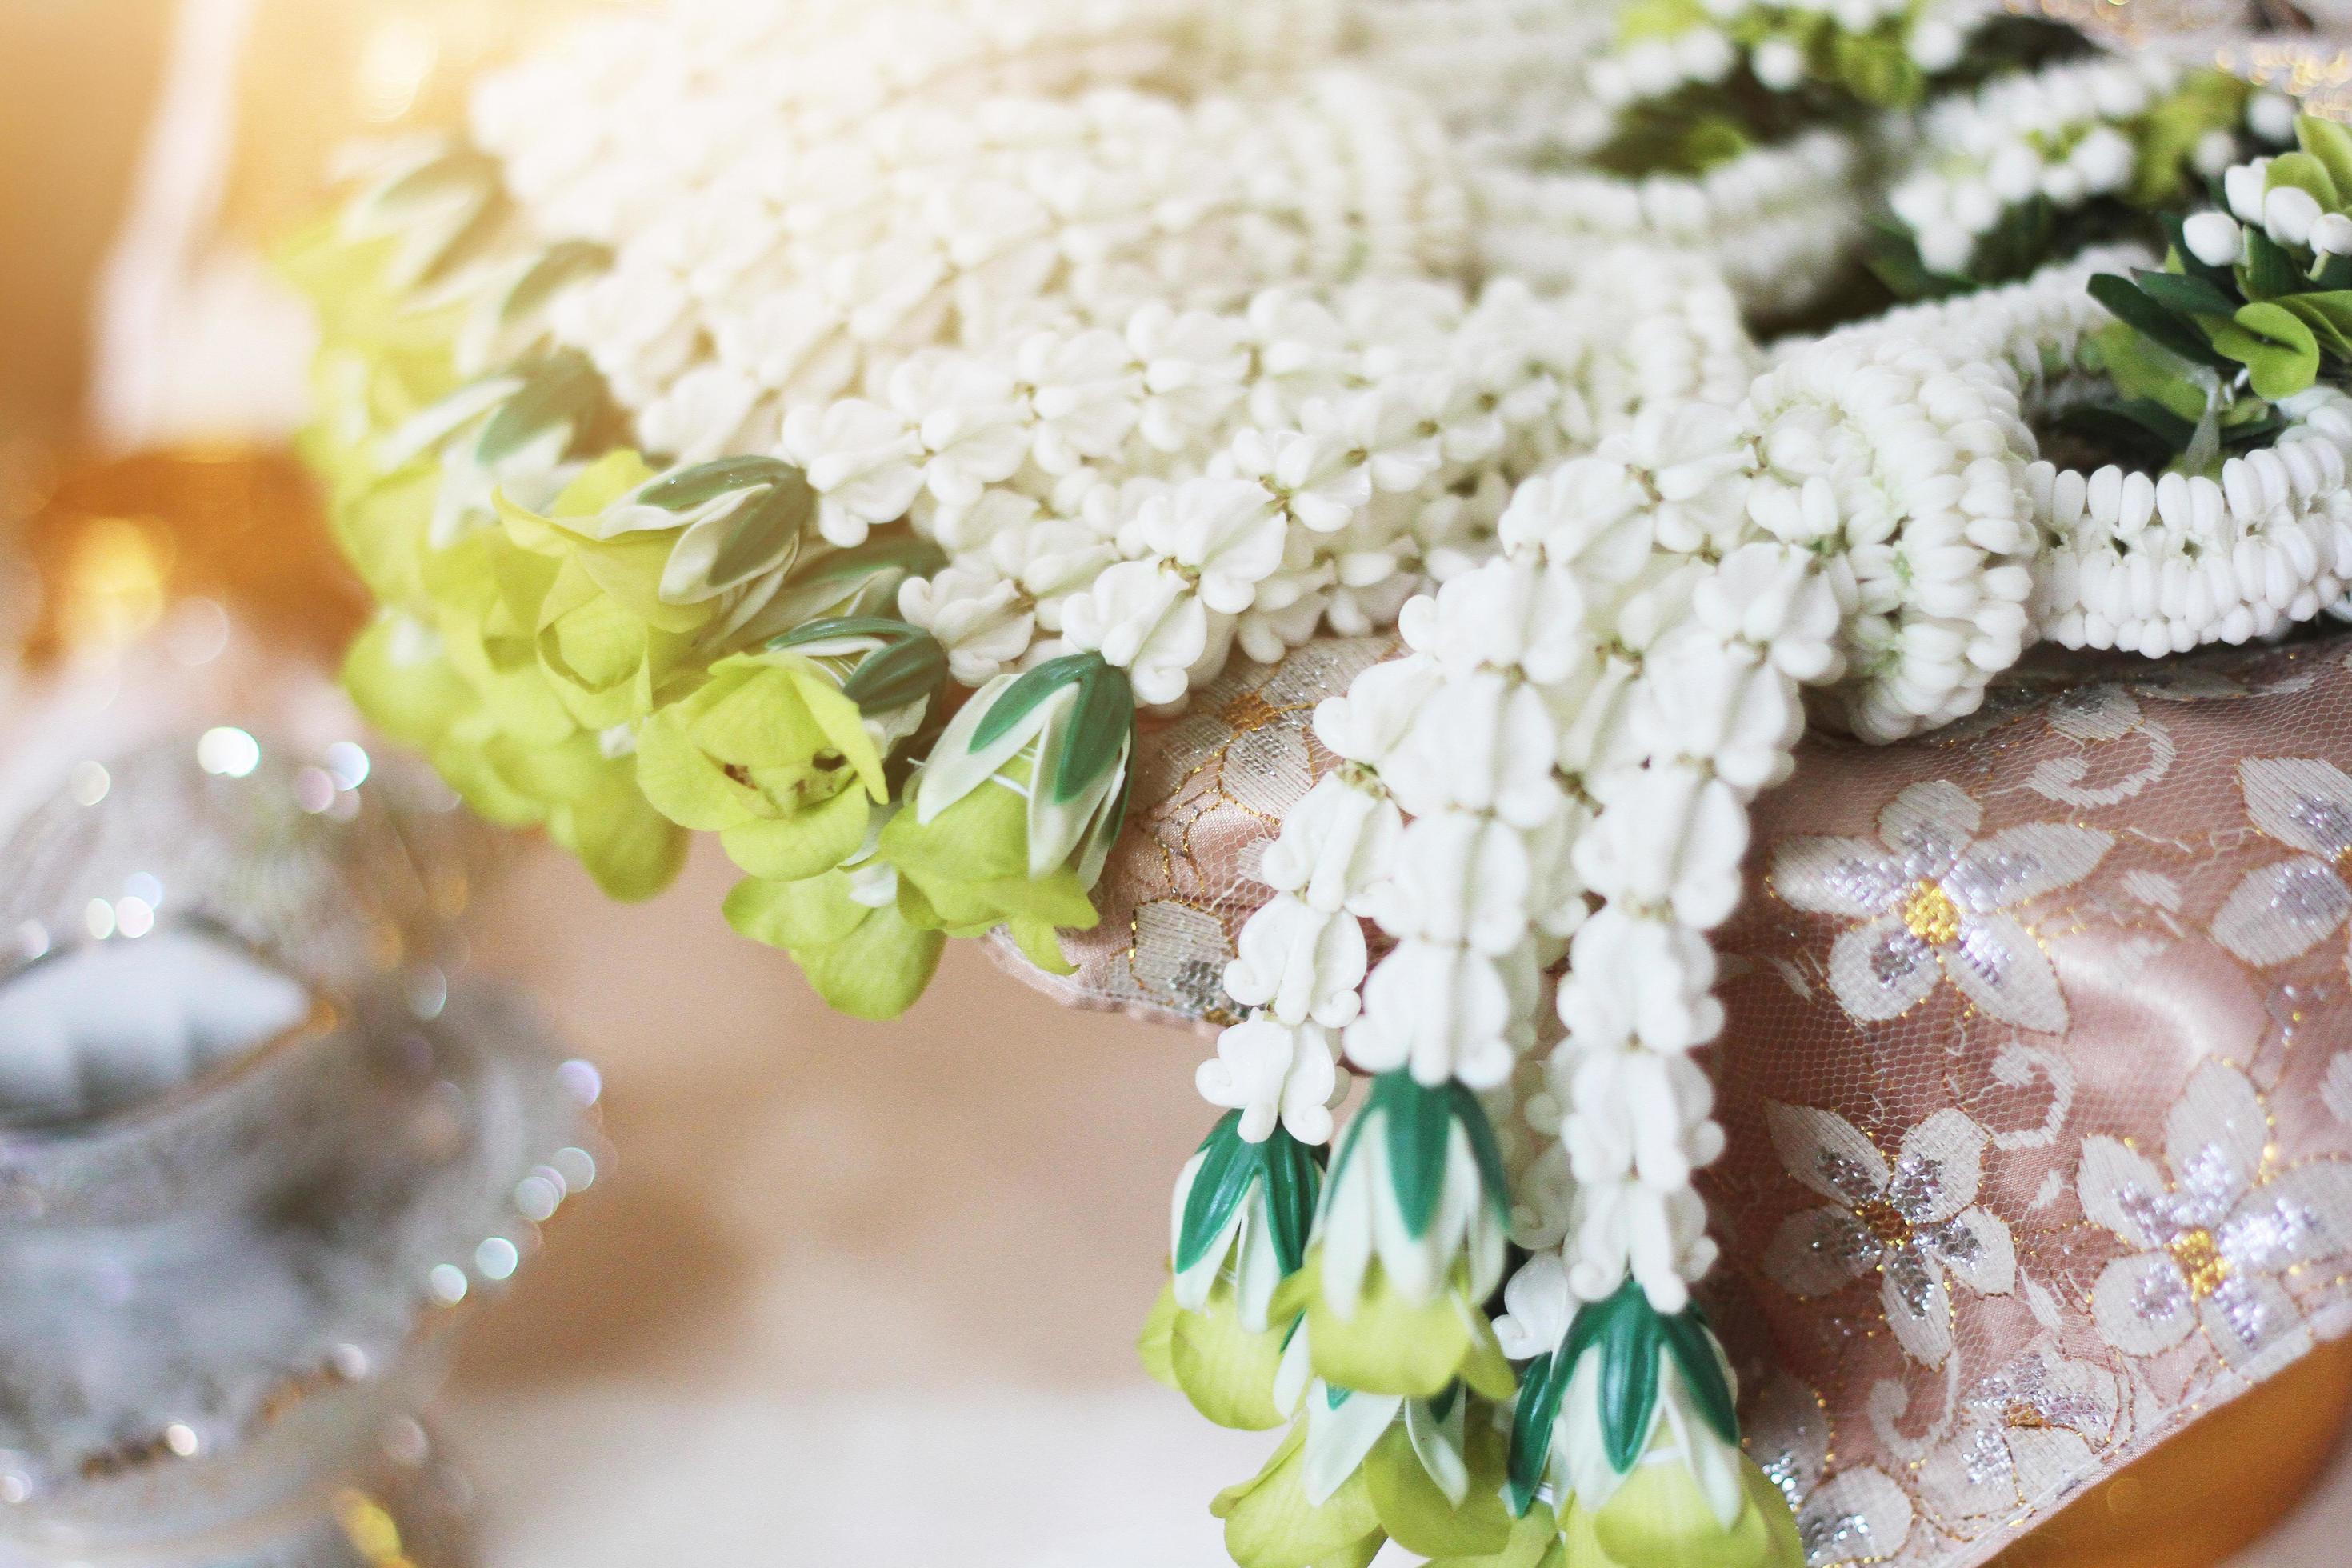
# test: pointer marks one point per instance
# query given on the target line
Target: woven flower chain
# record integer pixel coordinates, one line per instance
(1074, 516)
(2033, 165)
(837, 448)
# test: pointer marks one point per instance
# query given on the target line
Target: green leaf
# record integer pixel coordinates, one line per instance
(1230, 1164)
(1541, 1388)
(2278, 350)
(2124, 301)
(2304, 172)
(2328, 314)
(910, 667)
(2184, 295)
(2330, 145)
(2140, 433)
(561, 264)
(2268, 271)
(1419, 1126)
(1294, 1184)
(561, 389)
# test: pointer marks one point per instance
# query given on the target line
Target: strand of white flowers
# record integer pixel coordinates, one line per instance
(802, 274)
(1777, 221)
(2063, 133)
(2154, 564)
(1935, 34)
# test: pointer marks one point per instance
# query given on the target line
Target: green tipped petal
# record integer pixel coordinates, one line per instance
(1269, 1523)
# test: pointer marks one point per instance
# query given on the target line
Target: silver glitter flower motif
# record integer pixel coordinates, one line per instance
(1859, 1515)
(2284, 910)
(2026, 1434)
(1914, 1222)
(1935, 902)
(2212, 1241)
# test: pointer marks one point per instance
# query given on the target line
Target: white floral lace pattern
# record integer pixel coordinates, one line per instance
(1915, 1221)
(1936, 901)
(2216, 1235)
(2284, 910)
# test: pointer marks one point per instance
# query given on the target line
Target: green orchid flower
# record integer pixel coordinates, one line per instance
(775, 754)
(655, 569)
(402, 675)
(1409, 1244)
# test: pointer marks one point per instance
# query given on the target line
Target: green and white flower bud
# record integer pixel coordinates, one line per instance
(1628, 1431)
(1409, 1244)
(1072, 722)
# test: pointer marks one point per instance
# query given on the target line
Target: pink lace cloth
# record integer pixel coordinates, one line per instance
(2037, 1078)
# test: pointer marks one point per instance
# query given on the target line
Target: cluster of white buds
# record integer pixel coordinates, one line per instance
(618, 120)
(2069, 133)
(2153, 562)
(1776, 221)
(1199, 482)
(799, 274)
(2287, 214)
(1508, 77)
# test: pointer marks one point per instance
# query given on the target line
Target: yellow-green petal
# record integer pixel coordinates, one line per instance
(879, 970)
(1389, 1345)
(811, 914)
(806, 844)
(682, 781)
(1155, 1347)
(1227, 1372)
(1535, 1542)
(630, 849)
(1418, 1517)
(1269, 1523)
(1659, 1517)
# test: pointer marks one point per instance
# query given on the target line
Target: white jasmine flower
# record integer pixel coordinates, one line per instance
(1299, 962)
(1275, 1074)
(861, 459)
(981, 619)
(1228, 533)
(1145, 618)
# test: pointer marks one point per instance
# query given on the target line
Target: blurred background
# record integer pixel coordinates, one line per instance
(856, 1293)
